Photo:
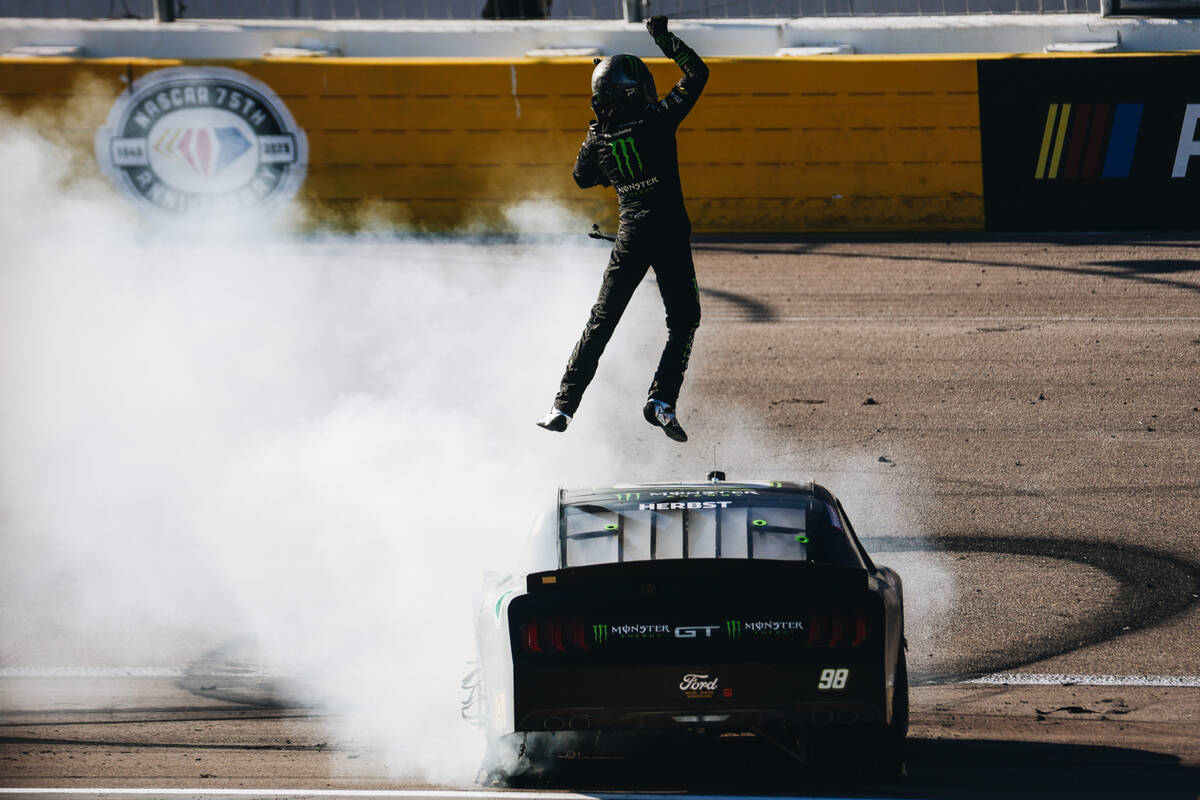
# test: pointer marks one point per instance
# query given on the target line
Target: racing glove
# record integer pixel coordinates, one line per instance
(671, 45)
(657, 25)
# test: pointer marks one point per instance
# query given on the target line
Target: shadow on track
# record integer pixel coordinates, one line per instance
(749, 308)
(937, 768)
(1152, 588)
(1151, 271)
(1146, 271)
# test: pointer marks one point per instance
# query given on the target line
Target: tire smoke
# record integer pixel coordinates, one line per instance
(229, 433)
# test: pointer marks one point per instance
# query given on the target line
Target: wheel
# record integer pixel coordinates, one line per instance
(891, 750)
(899, 724)
(510, 762)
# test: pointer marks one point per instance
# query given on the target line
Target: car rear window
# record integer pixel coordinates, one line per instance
(786, 527)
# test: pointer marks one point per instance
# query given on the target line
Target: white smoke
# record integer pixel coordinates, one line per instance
(213, 434)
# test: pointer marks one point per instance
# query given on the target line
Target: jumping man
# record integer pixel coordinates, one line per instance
(631, 147)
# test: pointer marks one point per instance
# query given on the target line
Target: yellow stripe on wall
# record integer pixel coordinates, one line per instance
(843, 143)
(1047, 137)
(1063, 118)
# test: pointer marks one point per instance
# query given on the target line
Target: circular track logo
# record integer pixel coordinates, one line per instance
(188, 139)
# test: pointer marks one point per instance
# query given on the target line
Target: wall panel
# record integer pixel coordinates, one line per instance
(838, 143)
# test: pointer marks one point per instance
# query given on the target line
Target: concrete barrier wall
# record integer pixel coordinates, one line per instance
(776, 145)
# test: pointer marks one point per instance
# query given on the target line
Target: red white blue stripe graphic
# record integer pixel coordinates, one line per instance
(1088, 140)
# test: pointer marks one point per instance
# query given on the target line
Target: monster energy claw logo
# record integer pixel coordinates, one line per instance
(599, 633)
(624, 150)
(733, 628)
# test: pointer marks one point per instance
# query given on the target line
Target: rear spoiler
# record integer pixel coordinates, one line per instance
(725, 574)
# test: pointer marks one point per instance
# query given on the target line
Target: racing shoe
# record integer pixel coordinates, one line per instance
(662, 415)
(555, 420)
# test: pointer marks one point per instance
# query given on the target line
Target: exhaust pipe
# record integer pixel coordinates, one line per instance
(580, 723)
(554, 724)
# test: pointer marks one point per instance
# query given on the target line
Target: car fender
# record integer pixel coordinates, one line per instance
(494, 646)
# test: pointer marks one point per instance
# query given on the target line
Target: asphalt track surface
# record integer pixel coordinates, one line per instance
(1043, 395)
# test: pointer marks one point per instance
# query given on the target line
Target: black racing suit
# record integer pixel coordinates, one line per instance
(637, 156)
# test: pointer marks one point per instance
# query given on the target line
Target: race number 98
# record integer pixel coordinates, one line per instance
(833, 679)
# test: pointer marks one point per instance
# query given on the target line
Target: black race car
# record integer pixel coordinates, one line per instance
(716, 608)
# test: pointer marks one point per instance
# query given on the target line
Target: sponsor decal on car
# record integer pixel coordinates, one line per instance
(695, 631)
(736, 628)
(705, 493)
(699, 686)
(187, 139)
(692, 505)
(733, 629)
(603, 633)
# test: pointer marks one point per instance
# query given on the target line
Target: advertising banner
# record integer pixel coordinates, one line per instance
(1091, 143)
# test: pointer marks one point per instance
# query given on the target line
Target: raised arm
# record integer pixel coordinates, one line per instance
(683, 95)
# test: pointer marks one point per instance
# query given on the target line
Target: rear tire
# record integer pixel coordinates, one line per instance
(891, 751)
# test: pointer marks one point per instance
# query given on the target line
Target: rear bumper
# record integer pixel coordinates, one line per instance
(734, 719)
(727, 695)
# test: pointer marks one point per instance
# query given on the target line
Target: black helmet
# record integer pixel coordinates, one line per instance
(621, 84)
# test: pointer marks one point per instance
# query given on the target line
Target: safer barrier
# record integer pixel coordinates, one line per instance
(851, 143)
(776, 145)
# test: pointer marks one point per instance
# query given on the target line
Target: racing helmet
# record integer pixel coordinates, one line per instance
(621, 84)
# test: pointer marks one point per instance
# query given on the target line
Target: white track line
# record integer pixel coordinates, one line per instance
(416, 794)
(90, 672)
(750, 317)
(135, 672)
(1056, 679)
(402, 793)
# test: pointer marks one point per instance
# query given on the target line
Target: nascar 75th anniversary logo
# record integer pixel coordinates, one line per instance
(202, 138)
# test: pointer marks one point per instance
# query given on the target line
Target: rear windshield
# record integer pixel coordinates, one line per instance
(783, 527)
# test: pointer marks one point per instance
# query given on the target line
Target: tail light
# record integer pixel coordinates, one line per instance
(577, 634)
(818, 627)
(860, 631)
(529, 637)
(553, 635)
(841, 630)
(838, 629)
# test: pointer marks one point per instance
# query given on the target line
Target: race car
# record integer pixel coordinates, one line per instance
(712, 609)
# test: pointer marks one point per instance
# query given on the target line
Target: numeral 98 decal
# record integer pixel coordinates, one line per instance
(833, 678)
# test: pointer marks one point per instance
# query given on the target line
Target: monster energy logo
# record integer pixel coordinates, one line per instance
(734, 628)
(629, 495)
(624, 150)
(602, 633)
